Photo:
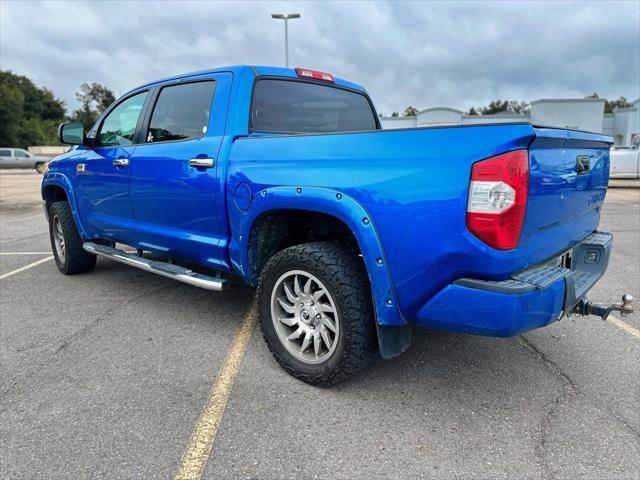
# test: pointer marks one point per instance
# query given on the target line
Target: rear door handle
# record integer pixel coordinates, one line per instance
(121, 162)
(202, 162)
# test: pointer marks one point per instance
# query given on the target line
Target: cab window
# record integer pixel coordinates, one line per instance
(21, 154)
(293, 106)
(181, 112)
(5, 153)
(119, 126)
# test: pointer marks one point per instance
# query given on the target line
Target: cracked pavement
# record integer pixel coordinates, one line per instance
(105, 374)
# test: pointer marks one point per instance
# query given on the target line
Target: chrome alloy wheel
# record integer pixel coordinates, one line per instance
(305, 316)
(58, 239)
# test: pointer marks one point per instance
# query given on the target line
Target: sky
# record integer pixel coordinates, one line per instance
(424, 54)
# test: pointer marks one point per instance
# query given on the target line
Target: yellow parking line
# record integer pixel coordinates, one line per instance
(26, 267)
(624, 326)
(195, 456)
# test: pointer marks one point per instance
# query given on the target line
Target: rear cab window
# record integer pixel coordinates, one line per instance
(5, 152)
(181, 112)
(295, 106)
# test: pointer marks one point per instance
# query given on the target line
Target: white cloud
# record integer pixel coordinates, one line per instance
(421, 53)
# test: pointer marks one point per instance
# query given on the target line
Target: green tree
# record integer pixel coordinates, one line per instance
(395, 114)
(611, 105)
(495, 106)
(472, 111)
(29, 115)
(94, 99)
(502, 106)
(11, 113)
(410, 111)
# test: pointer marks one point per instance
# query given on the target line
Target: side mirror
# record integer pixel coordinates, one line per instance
(71, 133)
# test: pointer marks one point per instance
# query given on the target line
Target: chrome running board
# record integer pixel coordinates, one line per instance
(165, 269)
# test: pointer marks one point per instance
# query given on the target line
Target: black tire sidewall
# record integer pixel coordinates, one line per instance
(341, 272)
(76, 259)
(63, 266)
(276, 272)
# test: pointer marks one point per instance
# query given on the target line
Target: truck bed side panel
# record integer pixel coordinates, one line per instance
(414, 185)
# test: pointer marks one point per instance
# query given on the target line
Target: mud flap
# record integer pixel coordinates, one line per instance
(393, 340)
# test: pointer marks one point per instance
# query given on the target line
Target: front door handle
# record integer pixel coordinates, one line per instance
(121, 162)
(202, 162)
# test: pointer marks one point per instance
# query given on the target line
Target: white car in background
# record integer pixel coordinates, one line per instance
(625, 161)
(20, 158)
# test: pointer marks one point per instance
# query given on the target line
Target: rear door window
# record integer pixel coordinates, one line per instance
(5, 153)
(286, 106)
(181, 112)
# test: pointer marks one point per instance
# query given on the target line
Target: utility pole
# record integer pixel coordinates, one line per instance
(286, 17)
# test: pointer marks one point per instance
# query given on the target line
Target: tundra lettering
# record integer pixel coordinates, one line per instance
(351, 235)
(596, 198)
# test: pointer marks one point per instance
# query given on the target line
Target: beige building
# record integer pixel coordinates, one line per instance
(48, 151)
(576, 113)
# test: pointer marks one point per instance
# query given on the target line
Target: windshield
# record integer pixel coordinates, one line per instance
(286, 106)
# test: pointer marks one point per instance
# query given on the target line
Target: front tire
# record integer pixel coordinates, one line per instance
(315, 311)
(66, 242)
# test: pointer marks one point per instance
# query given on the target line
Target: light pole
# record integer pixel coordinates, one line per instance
(286, 17)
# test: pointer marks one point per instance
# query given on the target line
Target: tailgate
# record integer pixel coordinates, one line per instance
(569, 172)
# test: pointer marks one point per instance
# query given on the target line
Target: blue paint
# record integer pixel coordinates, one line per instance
(411, 186)
(242, 197)
(481, 312)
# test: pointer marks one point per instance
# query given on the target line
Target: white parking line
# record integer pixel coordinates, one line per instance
(25, 253)
(26, 267)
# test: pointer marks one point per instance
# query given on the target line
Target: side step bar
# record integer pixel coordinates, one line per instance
(165, 269)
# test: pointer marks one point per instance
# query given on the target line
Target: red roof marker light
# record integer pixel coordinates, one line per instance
(315, 75)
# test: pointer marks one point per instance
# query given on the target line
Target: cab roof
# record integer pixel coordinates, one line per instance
(258, 71)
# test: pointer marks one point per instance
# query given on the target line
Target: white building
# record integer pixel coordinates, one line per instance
(576, 113)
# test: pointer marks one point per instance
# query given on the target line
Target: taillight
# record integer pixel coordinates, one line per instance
(498, 199)
(316, 75)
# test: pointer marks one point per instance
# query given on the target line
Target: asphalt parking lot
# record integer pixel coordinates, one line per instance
(106, 375)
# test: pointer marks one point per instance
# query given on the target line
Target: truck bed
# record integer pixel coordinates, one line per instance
(414, 185)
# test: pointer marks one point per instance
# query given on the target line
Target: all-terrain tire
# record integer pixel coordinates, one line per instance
(343, 274)
(70, 257)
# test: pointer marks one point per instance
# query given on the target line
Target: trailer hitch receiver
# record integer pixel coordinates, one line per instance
(587, 307)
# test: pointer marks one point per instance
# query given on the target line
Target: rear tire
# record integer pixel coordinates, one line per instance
(66, 243)
(315, 311)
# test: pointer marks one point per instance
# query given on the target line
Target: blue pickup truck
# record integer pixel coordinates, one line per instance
(351, 234)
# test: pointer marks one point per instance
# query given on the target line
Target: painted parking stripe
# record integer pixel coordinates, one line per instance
(45, 253)
(26, 267)
(195, 457)
(624, 326)
(25, 253)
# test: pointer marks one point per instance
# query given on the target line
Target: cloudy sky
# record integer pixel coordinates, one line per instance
(456, 54)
